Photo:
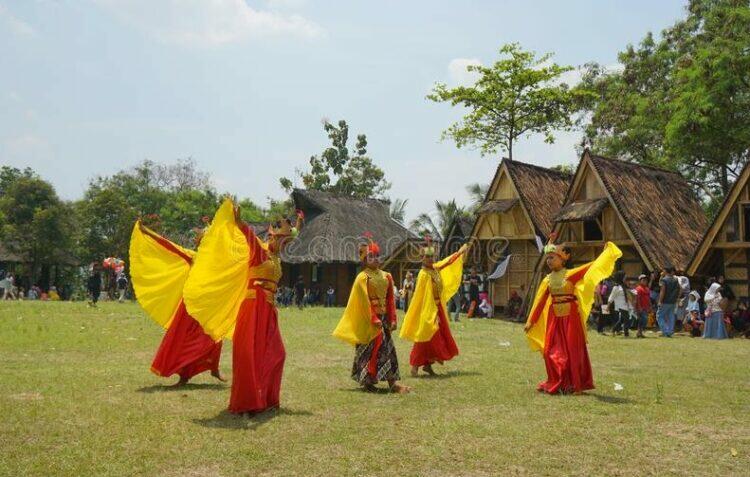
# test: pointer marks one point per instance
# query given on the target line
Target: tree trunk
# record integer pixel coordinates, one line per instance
(724, 180)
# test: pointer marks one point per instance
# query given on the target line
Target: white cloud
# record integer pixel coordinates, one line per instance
(286, 4)
(458, 73)
(15, 24)
(209, 22)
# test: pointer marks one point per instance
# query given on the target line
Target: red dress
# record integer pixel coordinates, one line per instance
(566, 356)
(185, 349)
(257, 351)
(442, 347)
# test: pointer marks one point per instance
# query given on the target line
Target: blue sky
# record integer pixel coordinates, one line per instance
(89, 87)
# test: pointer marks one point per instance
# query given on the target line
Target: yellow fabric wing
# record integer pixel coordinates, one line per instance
(158, 273)
(536, 335)
(421, 322)
(601, 268)
(451, 276)
(355, 326)
(217, 284)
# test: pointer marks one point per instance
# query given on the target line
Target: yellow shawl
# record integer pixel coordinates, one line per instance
(355, 326)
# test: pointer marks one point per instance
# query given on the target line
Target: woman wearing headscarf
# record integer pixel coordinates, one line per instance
(714, 327)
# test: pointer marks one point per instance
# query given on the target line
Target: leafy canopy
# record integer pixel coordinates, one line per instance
(519, 95)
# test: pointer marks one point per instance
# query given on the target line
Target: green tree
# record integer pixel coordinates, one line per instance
(519, 95)
(398, 210)
(340, 170)
(437, 223)
(680, 101)
(477, 193)
(568, 169)
(36, 224)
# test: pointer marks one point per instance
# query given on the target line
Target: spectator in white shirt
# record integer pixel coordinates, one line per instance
(621, 307)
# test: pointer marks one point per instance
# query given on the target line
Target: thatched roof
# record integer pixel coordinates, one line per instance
(581, 210)
(719, 219)
(497, 206)
(658, 207)
(334, 226)
(541, 190)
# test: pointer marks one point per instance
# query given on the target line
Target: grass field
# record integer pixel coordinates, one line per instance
(77, 398)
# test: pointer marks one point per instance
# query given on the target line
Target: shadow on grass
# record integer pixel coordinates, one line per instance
(448, 375)
(610, 399)
(161, 388)
(227, 420)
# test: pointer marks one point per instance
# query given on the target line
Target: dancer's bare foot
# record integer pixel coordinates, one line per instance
(428, 369)
(400, 388)
(414, 371)
(217, 375)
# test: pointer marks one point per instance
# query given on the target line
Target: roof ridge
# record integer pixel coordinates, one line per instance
(635, 164)
(549, 170)
(337, 195)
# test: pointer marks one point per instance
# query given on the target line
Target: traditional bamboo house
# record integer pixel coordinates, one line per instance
(650, 213)
(327, 249)
(725, 248)
(519, 207)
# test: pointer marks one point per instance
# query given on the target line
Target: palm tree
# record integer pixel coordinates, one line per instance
(398, 210)
(445, 213)
(477, 193)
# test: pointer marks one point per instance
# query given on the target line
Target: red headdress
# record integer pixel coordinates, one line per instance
(369, 248)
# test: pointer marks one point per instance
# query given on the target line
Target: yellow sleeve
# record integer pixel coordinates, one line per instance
(158, 270)
(355, 326)
(451, 275)
(601, 268)
(539, 311)
(420, 322)
(217, 284)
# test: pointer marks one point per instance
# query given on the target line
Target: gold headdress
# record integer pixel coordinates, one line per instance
(429, 249)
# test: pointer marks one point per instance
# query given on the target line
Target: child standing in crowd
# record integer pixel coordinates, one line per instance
(694, 322)
(122, 286)
(642, 304)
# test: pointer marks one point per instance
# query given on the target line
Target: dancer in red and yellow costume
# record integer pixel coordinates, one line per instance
(368, 321)
(556, 325)
(426, 322)
(159, 269)
(230, 292)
